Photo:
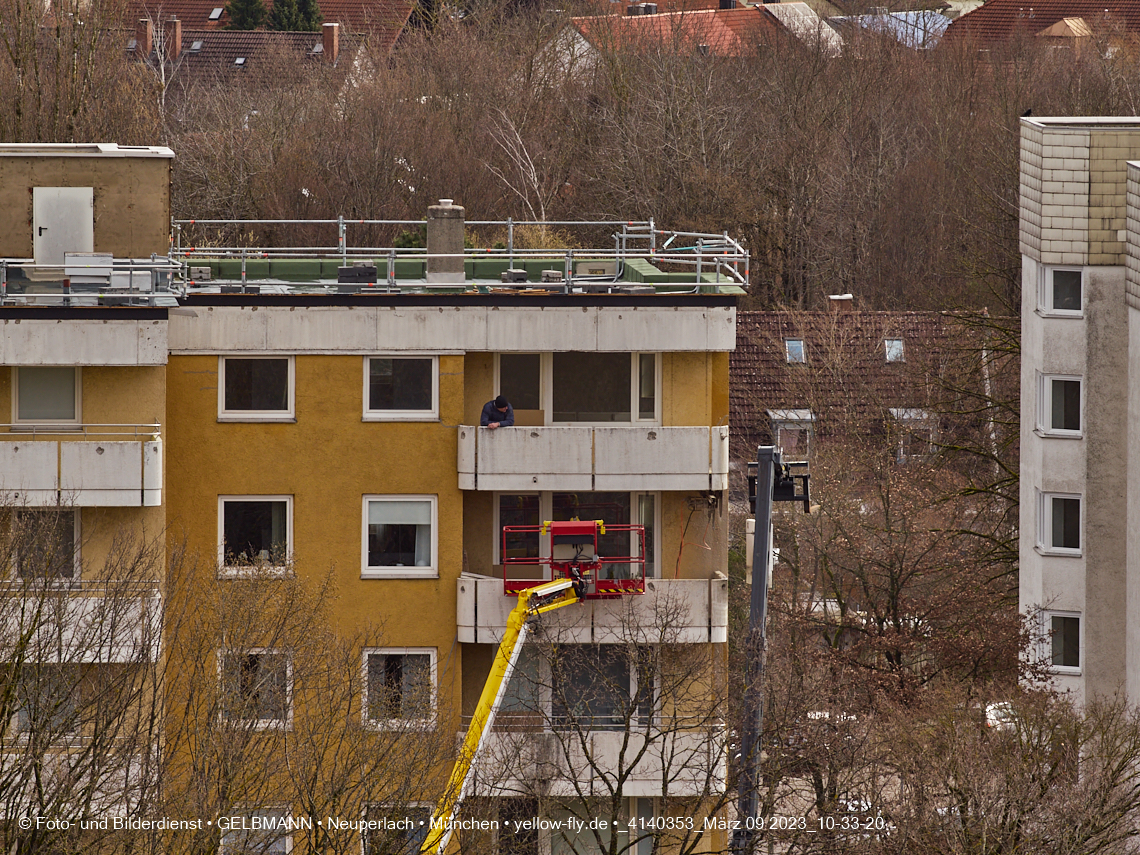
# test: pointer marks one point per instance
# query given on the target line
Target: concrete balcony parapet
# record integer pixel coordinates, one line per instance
(82, 465)
(633, 457)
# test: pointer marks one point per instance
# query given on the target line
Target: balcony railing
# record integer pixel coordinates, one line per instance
(593, 458)
(82, 465)
(671, 611)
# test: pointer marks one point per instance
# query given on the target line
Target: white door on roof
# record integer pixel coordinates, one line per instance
(63, 220)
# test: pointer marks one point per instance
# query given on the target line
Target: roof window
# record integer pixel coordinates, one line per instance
(240, 61)
(196, 46)
(894, 349)
(794, 349)
(216, 14)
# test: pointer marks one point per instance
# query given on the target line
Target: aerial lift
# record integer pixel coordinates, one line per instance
(575, 568)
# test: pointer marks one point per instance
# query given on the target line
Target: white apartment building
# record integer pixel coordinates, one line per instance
(1080, 402)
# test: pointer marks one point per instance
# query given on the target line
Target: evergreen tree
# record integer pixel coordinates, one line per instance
(311, 17)
(246, 14)
(285, 15)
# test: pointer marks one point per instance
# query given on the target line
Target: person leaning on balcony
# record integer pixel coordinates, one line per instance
(497, 413)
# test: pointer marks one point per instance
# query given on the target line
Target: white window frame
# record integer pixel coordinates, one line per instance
(546, 512)
(260, 723)
(289, 414)
(1045, 406)
(1047, 640)
(245, 811)
(75, 422)
(546, 389)
(429, 415)
(242, 571)
(911, 420)
(788, 352)
(1045, 291)
(400, 723)
(802, 419)
(1045, 524)
(897, 353)
(77, 564)
(429, 572)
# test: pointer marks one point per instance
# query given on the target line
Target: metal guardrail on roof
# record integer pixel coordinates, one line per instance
(89, 279)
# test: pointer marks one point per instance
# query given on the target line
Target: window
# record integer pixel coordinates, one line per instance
(265, 833)
(46, 395)
(520, 376)
(517, 836)
(216, 13)
(399, 687)
(255, 533)
(46, 546)
(603, 387)
(916, 430)
(399, 387)
(255, 389)
(601, 686)
(1062, 291)
(894, 349)
(256, 688)
(793, 432)
(615, 508)
(399, 536)
(46, 701)
(794, 351)
(1060, 410)
(1064, 632)
(1060, 523)
(395, 831)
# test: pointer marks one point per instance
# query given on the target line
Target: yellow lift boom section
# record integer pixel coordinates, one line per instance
(532, 602)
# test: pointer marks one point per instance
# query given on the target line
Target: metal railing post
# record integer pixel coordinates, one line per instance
(243, 271)
(341, 241)
(510, 242)
(3, 280)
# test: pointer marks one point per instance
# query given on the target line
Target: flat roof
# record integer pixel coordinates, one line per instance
(83, 150)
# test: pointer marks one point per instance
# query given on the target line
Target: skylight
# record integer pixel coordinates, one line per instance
(239, 61)
(196, 46)
(216, 13)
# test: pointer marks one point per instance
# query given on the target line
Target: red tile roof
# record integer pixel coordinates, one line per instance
(999, 20)
(383, 19)
(726, 32)
(845, 379)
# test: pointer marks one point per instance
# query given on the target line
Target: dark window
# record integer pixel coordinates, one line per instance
(398, 831)
(267, 836)
(255, 531)
(255, 687)
(646, 385)
(46, 394)
(45, 544)
(593, 686)
(592, 387)
(611, 508)
(400, 384)
(514, 813)
(1067, 290)
(519, 380)
(399, 533)
(1066, 521)
(257, 385)
(1066, 632)
(519, 510)
(399, 686)
(1066, 405)
(46, 700)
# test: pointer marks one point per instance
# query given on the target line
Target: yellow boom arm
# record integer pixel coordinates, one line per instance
(532, 602)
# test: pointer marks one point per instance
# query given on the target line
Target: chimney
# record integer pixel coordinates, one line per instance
(144, 37)
(445, 237)
(330, 42)
(840, 302)
(173, 38)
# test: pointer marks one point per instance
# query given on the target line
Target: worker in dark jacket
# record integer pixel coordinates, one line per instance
(497, 413)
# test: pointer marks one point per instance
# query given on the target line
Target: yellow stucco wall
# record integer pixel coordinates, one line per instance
(131, 196)
(327, 460)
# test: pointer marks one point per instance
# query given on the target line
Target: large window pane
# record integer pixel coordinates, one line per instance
(591, 688)
(265, 834)
(399, 533)
(255, 530)
(399, 686)
(1067, 290)
(45, 544)
(255, 687)
(592, 387)
(1066, 632)
(519, 510)
(646, 385)
(257, 385)
(611, 508)
(1066, 521)
(46, 393)
(519, 380)
(396, 832)
(1066, 404)
(400, 384)
(646, 512)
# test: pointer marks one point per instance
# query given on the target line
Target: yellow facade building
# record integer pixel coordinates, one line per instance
(308, 433)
